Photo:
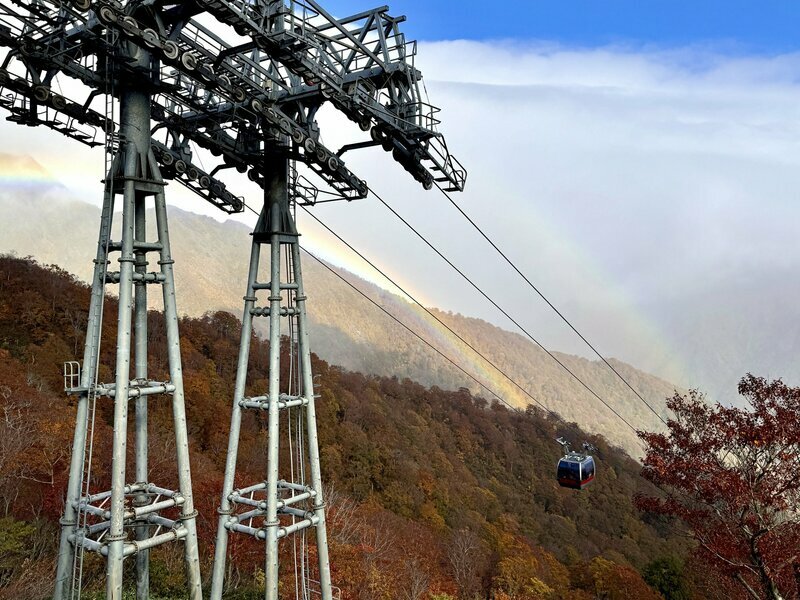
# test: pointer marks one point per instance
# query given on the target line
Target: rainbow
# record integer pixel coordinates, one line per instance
(22, 172)
(328, 248)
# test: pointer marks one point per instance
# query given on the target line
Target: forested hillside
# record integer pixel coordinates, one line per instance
(434, 494)
(347, 330)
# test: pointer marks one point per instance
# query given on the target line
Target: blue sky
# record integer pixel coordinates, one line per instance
(767, 26)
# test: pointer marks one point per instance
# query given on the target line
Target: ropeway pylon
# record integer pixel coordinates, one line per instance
(278, 506)
(243, 81)
(133, 516)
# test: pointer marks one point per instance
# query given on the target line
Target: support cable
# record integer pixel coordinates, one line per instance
(423, 340)
(485, 295)
(572, 373)
(412, 332)
(420, 338)
(541, 295)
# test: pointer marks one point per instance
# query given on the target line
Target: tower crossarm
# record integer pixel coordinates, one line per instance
(292, 57)
(194, 80)
(363, 65)
(39, 105)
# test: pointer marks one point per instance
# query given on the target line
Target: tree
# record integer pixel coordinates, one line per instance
(618, 582)
(666, 576)
(730, 474)
(466, 555)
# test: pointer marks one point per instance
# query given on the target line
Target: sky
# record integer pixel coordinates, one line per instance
(766, 26)
(638, 160)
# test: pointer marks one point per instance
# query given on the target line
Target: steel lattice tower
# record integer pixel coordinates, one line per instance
(98, 521)
(245, 91)
(299, 503)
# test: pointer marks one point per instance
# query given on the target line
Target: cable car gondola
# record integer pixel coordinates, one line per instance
(575, 470)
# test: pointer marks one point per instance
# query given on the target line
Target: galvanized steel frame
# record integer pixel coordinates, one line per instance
(246, 89)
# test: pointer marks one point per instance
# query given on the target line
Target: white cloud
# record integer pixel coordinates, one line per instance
(618, 178)
(623, 180)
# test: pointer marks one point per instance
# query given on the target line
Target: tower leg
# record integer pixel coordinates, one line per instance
(188, 513)
(311, 427)
(287, 506)
(116, 532)
(225, 508)
(273, 430)
(140, 373)
(69, 521)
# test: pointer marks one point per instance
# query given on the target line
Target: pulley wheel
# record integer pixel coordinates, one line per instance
(192, 174)
(333, 163)
(285, 126)
(167, 158)
(189, 60)
(298, 136)
(107, 15)
(365, 125)
(171, 50)
(239, 94)
(82, 5)
(130, 22)
(58, 102)
(205, 182)
(41, 93)
(151, 38)
(205, 71)
(309, 145)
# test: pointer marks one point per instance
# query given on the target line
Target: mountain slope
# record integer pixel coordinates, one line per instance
(211, 261)
(412, 468)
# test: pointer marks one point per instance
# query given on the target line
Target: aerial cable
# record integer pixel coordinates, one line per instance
(370, 263)
(504, 312)
(472, 377)
(412, 332)
(435, 349)
(543, 297)
(419, 337)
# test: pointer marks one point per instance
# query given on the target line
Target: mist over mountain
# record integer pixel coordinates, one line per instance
(733, 326)
(727, 328)
(43, 221)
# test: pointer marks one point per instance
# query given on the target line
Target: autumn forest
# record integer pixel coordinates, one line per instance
(432, 494)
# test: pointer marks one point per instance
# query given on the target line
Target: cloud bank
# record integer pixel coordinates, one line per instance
(632, 184)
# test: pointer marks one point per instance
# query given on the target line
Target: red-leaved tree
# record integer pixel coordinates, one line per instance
(733, 476)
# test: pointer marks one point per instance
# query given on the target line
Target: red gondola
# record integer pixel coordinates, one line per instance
(575, 470)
